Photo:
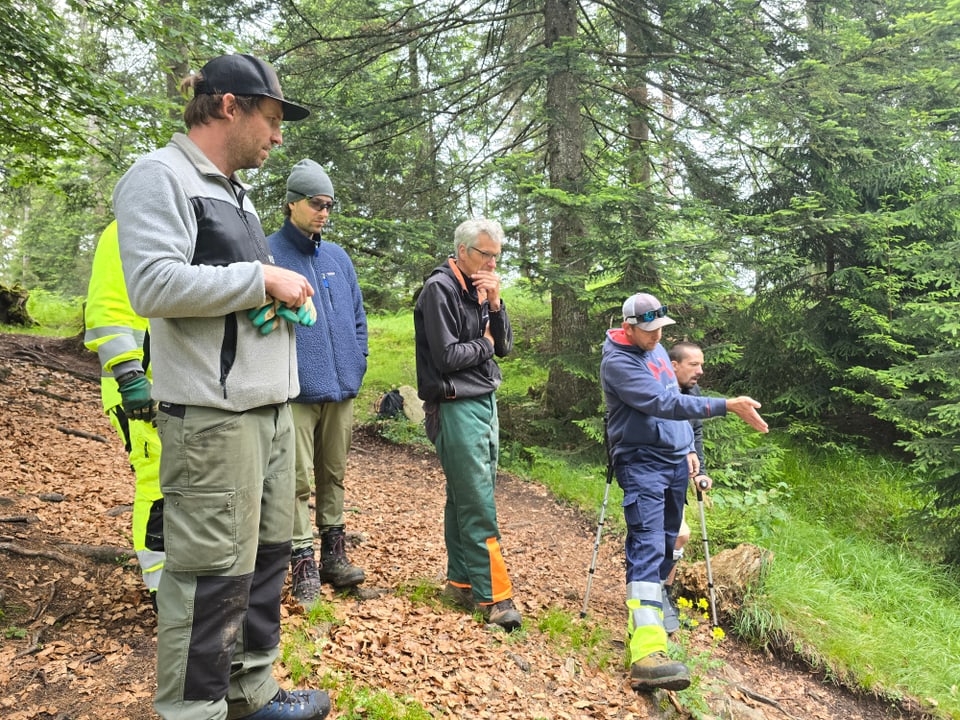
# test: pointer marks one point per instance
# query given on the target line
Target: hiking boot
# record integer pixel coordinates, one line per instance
(306, 579)
(335, 568)
(671, 619)
(656, 670)
(503, 613)
(462, 597)
(294, 705)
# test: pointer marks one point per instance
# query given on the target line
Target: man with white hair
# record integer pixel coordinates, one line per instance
(461, 323)
(653, 454)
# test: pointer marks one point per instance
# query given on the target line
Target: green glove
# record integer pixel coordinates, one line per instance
(287, 314)
(135, 396)
(264, 317)
(307, 313)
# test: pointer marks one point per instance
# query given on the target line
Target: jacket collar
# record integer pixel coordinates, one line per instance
(305, 244)
(455, 269)
(200, 161)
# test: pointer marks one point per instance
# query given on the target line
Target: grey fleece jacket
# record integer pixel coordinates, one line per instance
(193, 253)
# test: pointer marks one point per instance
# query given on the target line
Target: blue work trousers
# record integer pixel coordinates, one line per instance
(654, 492)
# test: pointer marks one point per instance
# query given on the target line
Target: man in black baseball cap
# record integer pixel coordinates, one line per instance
(195, 261)
(245, 75)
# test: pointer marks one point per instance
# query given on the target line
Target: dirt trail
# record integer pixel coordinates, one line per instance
(78, 638)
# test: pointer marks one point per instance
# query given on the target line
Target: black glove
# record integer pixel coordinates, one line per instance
(135, 394)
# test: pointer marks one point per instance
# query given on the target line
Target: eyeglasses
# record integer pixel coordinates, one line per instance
(488, 256)
(319, 205)
(649, 315)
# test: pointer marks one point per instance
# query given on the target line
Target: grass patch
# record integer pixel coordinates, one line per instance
(54, 315)
(586, 639)
(861, 612)
(356, 702)
(420, 591)
(299, 650)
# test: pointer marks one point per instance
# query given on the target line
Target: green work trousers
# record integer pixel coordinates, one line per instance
(228, 483)
(323, 432)
(468, 447)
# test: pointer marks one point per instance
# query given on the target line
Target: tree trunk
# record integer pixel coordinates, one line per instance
(567, 392)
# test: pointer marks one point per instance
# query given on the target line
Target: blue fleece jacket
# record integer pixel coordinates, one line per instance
(332, 354)
(646, 413)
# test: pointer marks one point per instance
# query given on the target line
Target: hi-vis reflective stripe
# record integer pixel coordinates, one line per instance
(151, 564)
(644, 592)
(643, 601)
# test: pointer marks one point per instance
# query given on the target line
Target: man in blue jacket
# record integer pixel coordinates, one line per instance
(332, 359)
(654, 458)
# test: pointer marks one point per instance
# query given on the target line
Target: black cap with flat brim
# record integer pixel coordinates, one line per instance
(246, 75)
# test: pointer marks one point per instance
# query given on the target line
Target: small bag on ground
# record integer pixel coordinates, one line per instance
(389, 405)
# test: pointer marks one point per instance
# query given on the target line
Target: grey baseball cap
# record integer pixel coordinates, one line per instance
(646, 312)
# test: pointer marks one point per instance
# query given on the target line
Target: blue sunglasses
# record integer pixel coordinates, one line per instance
(649, 315)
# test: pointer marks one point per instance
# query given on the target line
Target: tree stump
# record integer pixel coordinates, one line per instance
(13, 306)
(733, 571)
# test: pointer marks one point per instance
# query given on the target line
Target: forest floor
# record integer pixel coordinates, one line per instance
(77, 631)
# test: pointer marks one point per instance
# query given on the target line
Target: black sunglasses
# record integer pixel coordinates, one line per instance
(319, 205)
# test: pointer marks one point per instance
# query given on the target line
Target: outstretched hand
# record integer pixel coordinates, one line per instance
(746, 408)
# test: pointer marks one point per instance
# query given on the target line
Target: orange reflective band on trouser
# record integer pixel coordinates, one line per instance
(499, 581)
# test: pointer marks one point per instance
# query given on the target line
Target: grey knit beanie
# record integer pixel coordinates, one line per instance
(306, 180)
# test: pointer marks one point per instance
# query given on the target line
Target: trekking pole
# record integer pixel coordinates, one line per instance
(603, 512)
(706, 552)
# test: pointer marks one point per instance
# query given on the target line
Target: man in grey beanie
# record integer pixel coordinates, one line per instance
(332, 360)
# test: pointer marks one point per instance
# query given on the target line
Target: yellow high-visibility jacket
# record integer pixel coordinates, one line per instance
(116, 333)
(113, 330)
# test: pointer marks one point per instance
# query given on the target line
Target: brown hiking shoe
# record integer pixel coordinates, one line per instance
(306, 579)
(656, 670)
(503, 613)
(462, 597)
(335, 568)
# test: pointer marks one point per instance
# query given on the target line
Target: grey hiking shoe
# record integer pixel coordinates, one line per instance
(656, 670)
(503, 613)
(306, 580)
(335, 568)
(462, 597)
(294, 705)
(671, 619)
